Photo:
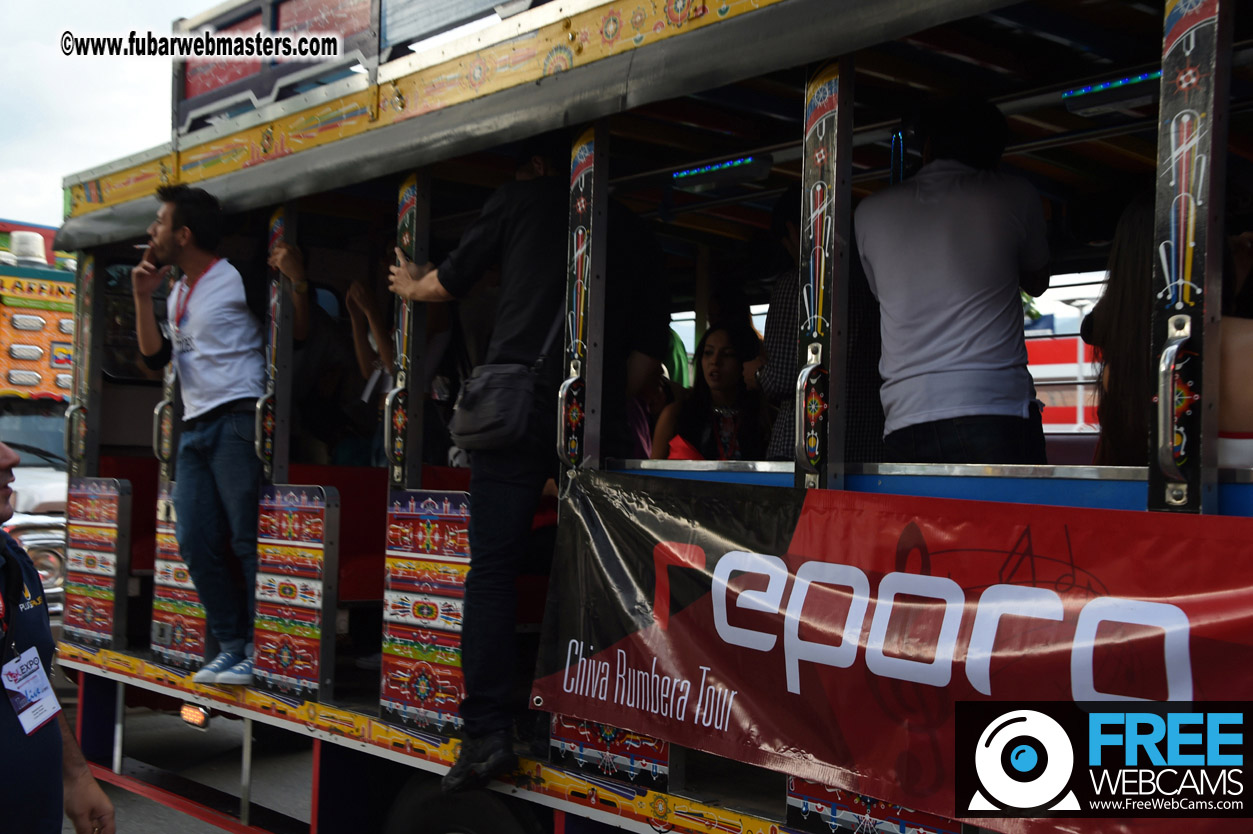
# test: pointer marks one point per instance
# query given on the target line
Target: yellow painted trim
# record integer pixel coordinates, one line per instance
(635, 802)
(321, 125)
(122, 186)
(611, 29)
(608, 30)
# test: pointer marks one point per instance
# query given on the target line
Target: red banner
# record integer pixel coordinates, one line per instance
(829, 635)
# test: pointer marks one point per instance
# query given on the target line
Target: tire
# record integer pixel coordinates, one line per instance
(422, 809)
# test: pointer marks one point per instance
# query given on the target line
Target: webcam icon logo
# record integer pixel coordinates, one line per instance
(1024, 762)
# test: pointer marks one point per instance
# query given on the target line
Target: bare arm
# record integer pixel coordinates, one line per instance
(366, 357)
(361, 328)
(667, 425)
(414, 283)
(86, 805)
(145, 278)
(300, 313)
(382, 337)
(287, 259)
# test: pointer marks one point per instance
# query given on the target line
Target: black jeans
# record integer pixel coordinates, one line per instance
(505, 487)
(990, 439)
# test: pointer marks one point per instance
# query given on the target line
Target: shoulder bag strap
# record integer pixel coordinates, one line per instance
(551, 340)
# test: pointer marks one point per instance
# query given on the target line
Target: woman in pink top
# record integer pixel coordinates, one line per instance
(720, 419)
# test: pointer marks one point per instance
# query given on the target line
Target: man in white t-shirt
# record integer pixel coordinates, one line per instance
(946, 253)
(215, 340)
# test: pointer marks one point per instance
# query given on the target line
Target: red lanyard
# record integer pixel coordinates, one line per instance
(180, 306)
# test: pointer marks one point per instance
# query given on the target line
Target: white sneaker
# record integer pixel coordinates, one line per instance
(210, 671)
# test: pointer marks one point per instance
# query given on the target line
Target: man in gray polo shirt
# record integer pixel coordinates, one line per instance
(946, 253)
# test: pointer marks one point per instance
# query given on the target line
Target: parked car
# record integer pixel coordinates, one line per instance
(39, 493)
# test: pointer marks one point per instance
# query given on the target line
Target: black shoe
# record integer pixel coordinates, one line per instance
(481, 760)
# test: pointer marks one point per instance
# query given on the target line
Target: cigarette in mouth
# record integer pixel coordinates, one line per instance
(142, 245)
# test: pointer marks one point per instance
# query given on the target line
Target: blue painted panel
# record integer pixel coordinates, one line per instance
(1055, 492)
(1233, 499)
(775, 479)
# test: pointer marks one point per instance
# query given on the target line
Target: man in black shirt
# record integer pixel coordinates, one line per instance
(44, 775)
(522, 227)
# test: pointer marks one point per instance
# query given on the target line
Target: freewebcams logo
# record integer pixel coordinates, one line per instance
(1124, 759)
(1024, 762)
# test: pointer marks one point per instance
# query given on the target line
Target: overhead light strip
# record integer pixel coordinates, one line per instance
(1112, 85)
(714, 166)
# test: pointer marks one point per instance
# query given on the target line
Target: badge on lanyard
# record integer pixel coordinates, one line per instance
(29, 690)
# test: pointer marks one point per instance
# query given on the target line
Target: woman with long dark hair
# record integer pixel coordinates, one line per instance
(720, 419)
(1119, 329)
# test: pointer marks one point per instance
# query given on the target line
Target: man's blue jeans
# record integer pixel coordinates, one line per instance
(215, 497)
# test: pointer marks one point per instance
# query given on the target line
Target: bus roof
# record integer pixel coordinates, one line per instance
(353, 131)
(1078, 81)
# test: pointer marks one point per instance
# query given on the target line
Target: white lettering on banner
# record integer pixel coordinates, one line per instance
(994, 603)
(590, 678)
(794, 648)
(713, 703)
(646, 690)
(1169, 618)
(767, 601)
(643, 689)
(939, 670)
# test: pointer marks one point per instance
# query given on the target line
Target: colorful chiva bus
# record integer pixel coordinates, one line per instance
(796, 645)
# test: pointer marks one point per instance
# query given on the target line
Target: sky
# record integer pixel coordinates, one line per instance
(62, 115)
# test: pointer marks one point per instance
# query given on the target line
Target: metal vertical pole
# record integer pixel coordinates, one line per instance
(823, 286)
(403, 410)
(1188, 248)
(596, 301)
(273, 414)
(245, 775)
(119, 726)
(82, 419)
(572, 396)
(1080, 377)
(580, 400)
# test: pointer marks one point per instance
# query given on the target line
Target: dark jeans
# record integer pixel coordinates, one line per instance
(991, 439)
(505, 487)
(215, 500)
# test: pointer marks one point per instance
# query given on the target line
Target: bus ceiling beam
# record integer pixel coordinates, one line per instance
(1063, 139)
(1027, 102)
